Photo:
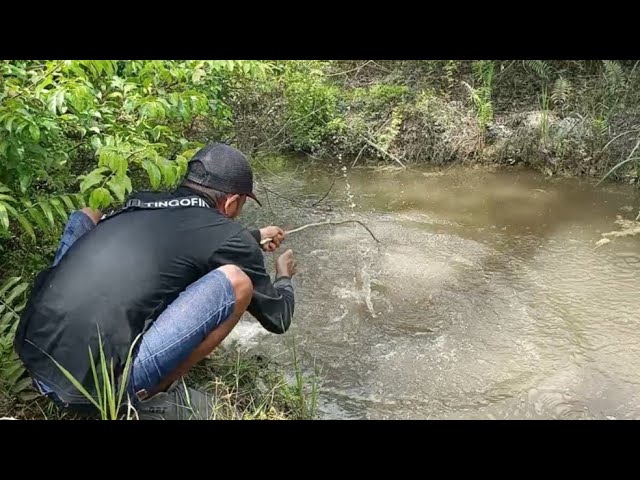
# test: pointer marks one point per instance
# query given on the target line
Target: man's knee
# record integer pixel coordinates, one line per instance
(242, 285)
(94, 215)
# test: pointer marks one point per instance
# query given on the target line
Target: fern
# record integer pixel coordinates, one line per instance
(540, 68)
(614, 75)
(12, 302)
(600, 126)
(561, 91)
(44, 214)
(483, 71)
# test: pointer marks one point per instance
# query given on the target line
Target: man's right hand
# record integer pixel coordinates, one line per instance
(286, 265)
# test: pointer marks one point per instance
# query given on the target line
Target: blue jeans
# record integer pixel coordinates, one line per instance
(177, 331)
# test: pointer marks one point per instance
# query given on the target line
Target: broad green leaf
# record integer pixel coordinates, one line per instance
(197, 75)
(20, 307)
(100, 198)
(6, 198)
(22, 385)
(18, 290)
(8, 284)
(26, 226)
(46, 209)
(51, 104)
(25, 181)
(67, 201)
(4, 217)
(57, 205)
(35, 133)
(96, 143)
(60, 101)
(95, 129)
(6, 318)
(38, 218)
(121, 166)
(104, 157)
(181, 163)
(13, 371)
(154, 173)
(168, 173)
(81, 200)
(118, 187)
(92, 178)
(21, 126)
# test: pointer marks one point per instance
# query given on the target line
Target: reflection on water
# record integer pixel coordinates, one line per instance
(486, 298)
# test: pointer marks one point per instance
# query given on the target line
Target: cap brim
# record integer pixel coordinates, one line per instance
(251, 195)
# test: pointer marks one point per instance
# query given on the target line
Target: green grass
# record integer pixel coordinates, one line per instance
(243, 385)
(249, 387)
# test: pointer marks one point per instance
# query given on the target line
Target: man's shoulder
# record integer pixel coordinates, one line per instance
(148, 195)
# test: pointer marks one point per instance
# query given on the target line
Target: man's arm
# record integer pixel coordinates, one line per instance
(273, 302)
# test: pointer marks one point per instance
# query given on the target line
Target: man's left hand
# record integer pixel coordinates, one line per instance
(276, 234)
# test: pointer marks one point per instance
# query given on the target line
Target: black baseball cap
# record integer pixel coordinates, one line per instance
(226, 169)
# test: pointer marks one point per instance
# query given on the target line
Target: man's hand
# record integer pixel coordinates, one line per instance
(276, 234)
(286, 265)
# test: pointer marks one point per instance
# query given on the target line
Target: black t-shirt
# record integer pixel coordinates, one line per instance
(122, 274)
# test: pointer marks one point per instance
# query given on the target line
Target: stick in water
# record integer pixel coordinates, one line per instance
(267, 240)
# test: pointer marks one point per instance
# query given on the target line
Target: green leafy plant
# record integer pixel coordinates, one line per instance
(39, 212)
(12, 302)
(109, 390)
(312, 104)
(539, 67)
(614, 76)
(544, 119)
(129, 116)
(481, 95)
(561, 91)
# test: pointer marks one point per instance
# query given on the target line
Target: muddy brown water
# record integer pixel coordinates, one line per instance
(486, 298)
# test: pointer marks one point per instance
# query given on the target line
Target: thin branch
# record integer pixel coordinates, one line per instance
(290, 200)
(295, 202)
(381, 67)
(452, 165)
(50, 72)
(319, 224)
(285, 125)
(266, 168)
(375, 145)
(311, 156)
(359, 153)
(266, 194)
(325, 195)
(358, 68)
(377, 131)
(382, 150)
